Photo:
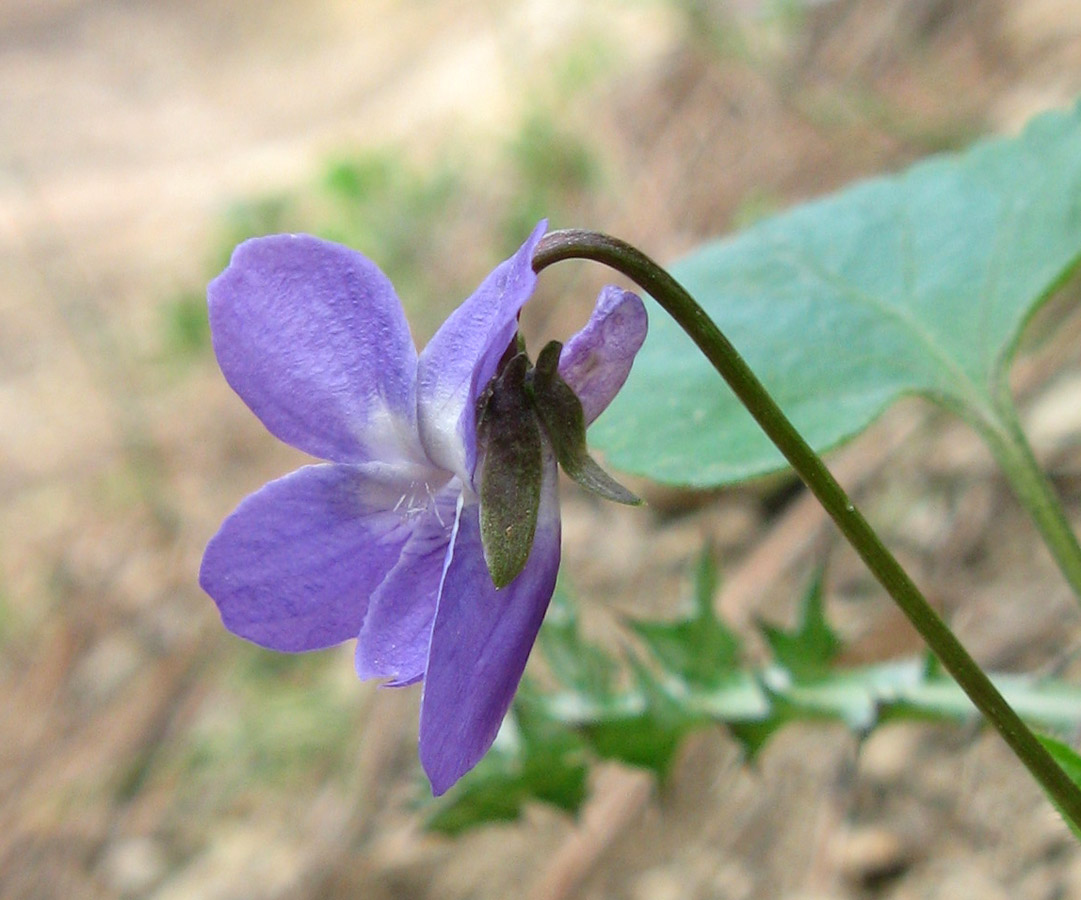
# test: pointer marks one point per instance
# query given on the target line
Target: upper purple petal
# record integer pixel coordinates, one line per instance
(393, 641)
(294, 565)
(313, 338)
(462, 357)
(597, 360)
(480, 642)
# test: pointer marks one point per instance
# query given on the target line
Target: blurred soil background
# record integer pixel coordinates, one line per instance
(144, 752)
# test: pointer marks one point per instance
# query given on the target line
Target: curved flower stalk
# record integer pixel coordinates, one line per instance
(397, 540)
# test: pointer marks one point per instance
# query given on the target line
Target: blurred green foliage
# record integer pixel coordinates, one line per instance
(272, 719)
(431, 226)
(693, 676)
(187, 330)
(7, 617)
(552, 167)
(534, 758)
(1070, 761)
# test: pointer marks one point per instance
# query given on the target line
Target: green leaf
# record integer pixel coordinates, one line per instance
(919, 283)
(700, 649)
(808, 650)
(650, 738)
(644, 742)
(1070, 762)
(534, 759)
(585, 668)
(641, 715)
(754, 734)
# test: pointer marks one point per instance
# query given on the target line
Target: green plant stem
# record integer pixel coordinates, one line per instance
(1033, 490)
(618, 255)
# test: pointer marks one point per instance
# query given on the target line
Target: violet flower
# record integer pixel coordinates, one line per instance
(383, 543)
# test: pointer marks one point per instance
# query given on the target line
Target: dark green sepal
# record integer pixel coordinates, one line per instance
(561, 414)
(511, 473)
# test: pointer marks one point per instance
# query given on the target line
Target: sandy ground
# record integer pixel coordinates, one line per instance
(127, 128)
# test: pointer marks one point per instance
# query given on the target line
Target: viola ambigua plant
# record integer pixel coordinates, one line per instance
(431, 535)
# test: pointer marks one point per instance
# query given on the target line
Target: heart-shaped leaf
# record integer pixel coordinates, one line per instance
(918, 283)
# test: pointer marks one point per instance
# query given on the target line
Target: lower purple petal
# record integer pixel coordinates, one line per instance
(294, 565)
(393, 642)
(481, 641)
(597, 360)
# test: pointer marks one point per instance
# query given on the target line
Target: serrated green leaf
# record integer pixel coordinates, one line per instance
(651, 738)
(699, 649)
(851, 698)
(534, 759)
(581, 666)
(701, 652)
(642, 742)
(915, 283)
(811, 647)
(543, 751)
(754, 734)
(904, 689)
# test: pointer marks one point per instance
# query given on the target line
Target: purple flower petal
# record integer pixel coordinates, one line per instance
(294, 565)
(596, 361)
(313, 338)
(480, 642)
(393, 641)
(461, 359)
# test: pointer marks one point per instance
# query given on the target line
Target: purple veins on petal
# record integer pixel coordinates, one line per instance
(597, 360)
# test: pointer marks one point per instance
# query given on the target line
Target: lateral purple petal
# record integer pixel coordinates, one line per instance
(462, 357)
(294, 565)
(480, 642)
(313, 338)
(393, 641)
(597, 360)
